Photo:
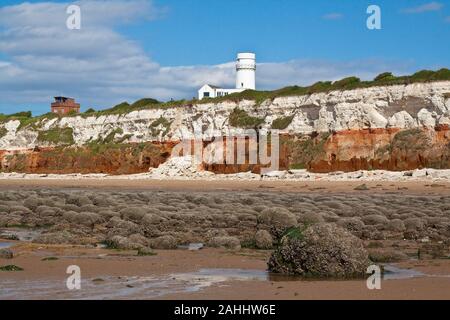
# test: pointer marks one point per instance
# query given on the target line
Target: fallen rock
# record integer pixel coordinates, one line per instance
(263, 240)
(386, 255)
(320, 250)
(166, 242)
(6, 254)
(123, 243)
(59, 237)
(195, 246)
(277, 220)
(145, 251)
(362, 187)
(225, 242)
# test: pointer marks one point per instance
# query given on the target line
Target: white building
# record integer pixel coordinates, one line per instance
(245, 78)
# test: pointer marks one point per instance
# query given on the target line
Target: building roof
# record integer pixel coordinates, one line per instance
(213, 86)
(61, 97)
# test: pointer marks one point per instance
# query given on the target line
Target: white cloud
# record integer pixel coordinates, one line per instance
(100, 67)
(333, 16)
(427, 7)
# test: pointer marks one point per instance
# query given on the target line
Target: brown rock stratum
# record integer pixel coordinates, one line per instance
(350, 150)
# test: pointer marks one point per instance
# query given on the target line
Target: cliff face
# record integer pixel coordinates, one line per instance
(394, 127)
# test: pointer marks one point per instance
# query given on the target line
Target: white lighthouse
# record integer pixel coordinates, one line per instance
(245, 71)
(245, 78)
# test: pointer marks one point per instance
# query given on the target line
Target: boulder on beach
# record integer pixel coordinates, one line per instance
(6, 254)
(123, 243)
(277, 220)
(226, 242)
(320, 250)
(263, 239)
(166, 242)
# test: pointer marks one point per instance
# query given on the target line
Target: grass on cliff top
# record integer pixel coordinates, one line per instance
(350, 83)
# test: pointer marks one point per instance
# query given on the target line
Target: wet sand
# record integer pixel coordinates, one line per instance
(404, 187)
(175, 274)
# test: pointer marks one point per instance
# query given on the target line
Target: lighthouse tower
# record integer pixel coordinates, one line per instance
(245, 71)
(245, 78)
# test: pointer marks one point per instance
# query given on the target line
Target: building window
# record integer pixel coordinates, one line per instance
(205, 94)
(242, 84)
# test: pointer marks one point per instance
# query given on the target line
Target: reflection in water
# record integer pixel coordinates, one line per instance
(4, 245)
(393, 273)
(20, 234)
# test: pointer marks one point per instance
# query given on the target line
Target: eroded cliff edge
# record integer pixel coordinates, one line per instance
(396, 127)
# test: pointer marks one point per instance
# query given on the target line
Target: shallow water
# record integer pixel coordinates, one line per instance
(394, 273)
(4, 245)
(22, 235)
(154, 287)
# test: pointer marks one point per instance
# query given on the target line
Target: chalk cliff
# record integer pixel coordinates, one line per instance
(392, 127)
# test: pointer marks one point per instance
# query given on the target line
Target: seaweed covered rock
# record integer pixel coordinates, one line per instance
(6, 254)
(226, 242)
(123, 243)
(320, 250)
(263, 239)
(277, 220)
(166, 242)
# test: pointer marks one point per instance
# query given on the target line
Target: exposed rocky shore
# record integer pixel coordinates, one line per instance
(166, 219)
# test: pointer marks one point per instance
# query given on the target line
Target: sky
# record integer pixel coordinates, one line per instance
(166, 49)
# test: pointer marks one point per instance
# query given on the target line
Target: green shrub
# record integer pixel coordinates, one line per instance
(241, 119)
(146, 252)
(32, 122)
(23, 114)
(111, 136)
(294, 233)
(282, 123)
(441, 74)
(305, 150)
(422, 75)
(109, 244)
(297, 166)
(347, 83)
(90, 110)
(11, 267)
(144, 102)
(121, 108)
(3, 132)
(412, 140)
(158, 122)
(49, 259)
(59, 136)
(320, 86)
(384, 76)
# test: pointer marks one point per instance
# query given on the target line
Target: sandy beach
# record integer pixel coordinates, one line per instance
(404, 187)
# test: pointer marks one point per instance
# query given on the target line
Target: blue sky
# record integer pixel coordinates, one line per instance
(166, 49)
(206, 31)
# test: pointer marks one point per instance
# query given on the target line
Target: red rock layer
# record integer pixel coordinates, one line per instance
(388, 149)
